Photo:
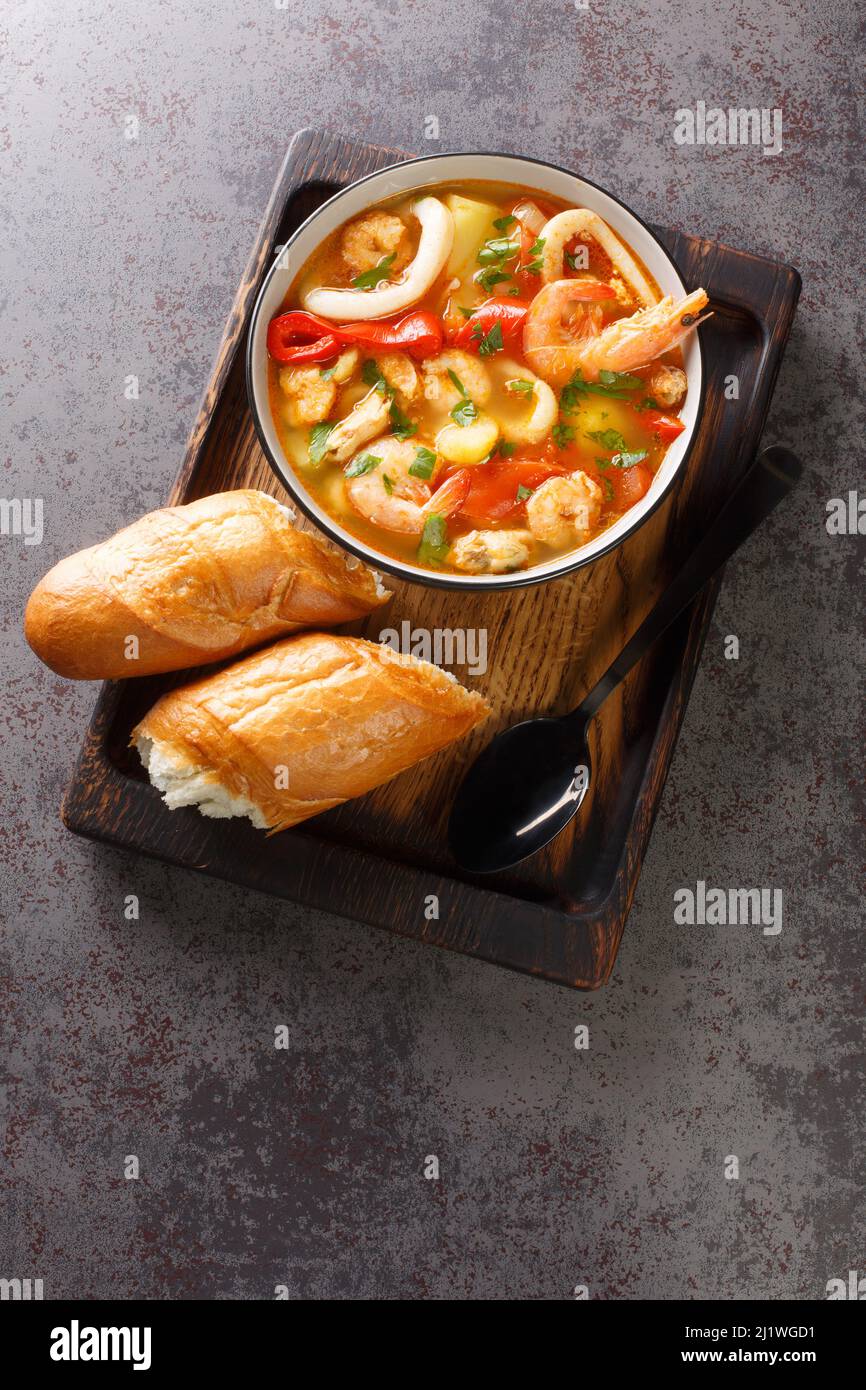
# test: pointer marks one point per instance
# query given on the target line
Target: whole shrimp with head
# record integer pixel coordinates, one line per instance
(564, 332)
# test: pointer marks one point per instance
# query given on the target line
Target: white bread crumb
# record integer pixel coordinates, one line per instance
(184, 785)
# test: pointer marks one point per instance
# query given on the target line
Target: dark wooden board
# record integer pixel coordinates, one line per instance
(380, 859)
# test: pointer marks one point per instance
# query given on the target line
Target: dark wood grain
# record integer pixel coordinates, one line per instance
(378, 859)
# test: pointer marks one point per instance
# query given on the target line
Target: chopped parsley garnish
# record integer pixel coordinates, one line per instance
(424, 463)
(465, 411)
(520, 386)
(318, 445)
(615, 384)
(628, 460)
(401, 425)
(535, 253)
(649, 404)
(491, 277)
(387, 484)
(506, 448)
(562, 435)
(523, 493)
(371, 376)
(498, 249)
(608, 490)
(608, 439)
(369, 279)
(488, 343)
(602, 463)
(503, 223)
(493, 256)
(467, 313)
(364, 463)
(434, 545)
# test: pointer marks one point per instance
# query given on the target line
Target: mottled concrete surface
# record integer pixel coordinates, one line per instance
(558, 1167)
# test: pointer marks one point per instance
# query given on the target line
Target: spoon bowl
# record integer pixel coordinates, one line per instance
(520, 792)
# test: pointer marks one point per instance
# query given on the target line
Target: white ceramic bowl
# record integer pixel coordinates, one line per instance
(397, 179)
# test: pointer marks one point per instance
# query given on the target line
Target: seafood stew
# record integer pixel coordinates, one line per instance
(474, 378)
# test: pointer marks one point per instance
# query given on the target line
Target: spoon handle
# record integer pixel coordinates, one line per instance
(772, 475)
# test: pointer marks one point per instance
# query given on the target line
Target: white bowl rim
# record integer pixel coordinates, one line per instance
(538, 574)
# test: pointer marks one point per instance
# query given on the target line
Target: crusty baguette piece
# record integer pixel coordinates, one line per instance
(300, 727)
(192, 584)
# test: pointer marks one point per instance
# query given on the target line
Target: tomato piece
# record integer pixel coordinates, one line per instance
(493, 487)
(508, 313)
(667, 427)
(629, 485)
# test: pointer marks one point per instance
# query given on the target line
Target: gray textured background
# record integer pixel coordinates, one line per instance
(155, 1038)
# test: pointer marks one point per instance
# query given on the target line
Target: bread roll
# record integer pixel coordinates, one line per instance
(300, 727)
(192, 584)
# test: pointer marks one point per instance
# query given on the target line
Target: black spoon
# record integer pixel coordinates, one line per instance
(529, 782)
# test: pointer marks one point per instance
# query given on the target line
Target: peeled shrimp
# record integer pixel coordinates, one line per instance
(398, 369)
(434, 248)
(550, 345)
(369, 418)
(565, 510)
(470, 372)
(365, 241)
(310, 396)
(629, 343)
(492, 552)
(560, 230)
(390, 497)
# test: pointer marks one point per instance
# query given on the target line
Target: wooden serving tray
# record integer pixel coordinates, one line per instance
(383, 859)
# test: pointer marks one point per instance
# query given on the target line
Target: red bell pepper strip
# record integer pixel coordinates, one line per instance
(667, 427)
(508, 313)
(418, 333)
(301, 337)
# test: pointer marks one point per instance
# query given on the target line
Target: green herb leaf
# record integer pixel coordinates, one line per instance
(628, 460)
(506, 448)
(318, 445)
(371, 376)
(424, 463)
(523, 493)
(615, 384)
(464, 412)
(467, 313)
(488, 343)
(608, 490)
(608, 439)
(488, 279)
(434, 545)
(534, 264)
(503, 223)
(364, 463)
(387, 484)
(497, 249)
(520, 386)
(562, 435)
(602, 463)
(455, 381)
(401, 425)
(369, 279)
